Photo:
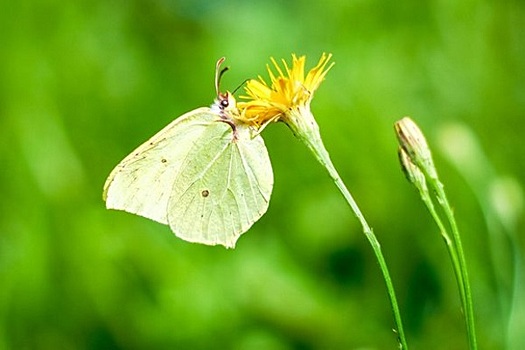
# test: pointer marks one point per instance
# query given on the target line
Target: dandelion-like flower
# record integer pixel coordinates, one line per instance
(287, 98)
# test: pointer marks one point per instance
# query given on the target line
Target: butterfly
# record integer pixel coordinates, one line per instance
(207, 175)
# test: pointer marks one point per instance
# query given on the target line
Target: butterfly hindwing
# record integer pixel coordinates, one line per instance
(225, 195)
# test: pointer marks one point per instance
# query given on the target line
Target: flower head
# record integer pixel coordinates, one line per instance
(289, 91)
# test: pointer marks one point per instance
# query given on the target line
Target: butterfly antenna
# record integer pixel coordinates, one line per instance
(218, 74)
(240, 85)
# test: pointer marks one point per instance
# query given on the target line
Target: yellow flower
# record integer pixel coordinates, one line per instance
(289, 93)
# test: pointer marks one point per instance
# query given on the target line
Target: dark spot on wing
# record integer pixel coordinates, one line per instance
(205, 193)
(164, 160)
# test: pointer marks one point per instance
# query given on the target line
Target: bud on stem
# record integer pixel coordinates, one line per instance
(414, 144)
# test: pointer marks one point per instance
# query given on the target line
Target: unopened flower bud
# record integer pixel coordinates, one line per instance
(412, 172)
(415, 145)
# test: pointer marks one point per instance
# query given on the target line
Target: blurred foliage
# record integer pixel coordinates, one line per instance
(84, 82)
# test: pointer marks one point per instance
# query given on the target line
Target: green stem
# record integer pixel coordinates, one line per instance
(316, 146)
(324, 159)
(465, 286)
(449, 243)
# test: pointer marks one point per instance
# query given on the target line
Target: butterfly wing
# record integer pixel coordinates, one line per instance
(142, 183)
(223, 188)
(209, 184)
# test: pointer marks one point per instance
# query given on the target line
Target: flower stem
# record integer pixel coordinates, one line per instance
(313, 141)
(461, 269)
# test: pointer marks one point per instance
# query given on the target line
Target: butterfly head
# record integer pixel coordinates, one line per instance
(225, 103)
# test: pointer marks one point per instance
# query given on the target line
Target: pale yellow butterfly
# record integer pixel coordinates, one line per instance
(207, 175)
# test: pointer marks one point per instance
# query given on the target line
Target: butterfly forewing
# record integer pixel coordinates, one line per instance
(142, 183)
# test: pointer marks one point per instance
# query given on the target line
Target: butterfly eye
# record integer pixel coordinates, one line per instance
(225, 103)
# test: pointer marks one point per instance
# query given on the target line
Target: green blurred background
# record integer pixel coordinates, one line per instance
(84, 82)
